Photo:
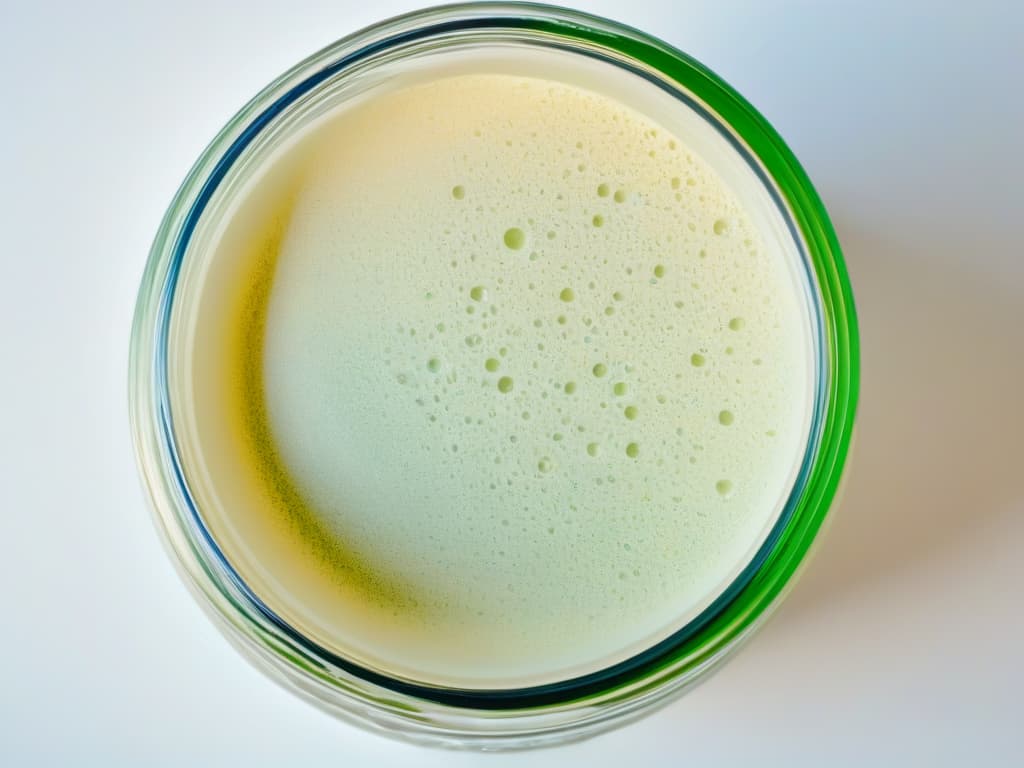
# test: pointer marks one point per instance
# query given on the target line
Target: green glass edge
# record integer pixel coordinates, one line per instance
(841, 338)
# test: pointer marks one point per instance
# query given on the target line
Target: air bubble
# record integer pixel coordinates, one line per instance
(515, 238)
(505, 384)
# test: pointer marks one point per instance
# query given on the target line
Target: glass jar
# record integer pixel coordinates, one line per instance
(537, 715)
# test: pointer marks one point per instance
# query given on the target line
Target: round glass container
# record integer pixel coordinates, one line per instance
(532, 715)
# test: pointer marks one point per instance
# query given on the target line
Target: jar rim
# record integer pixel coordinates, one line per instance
(688, 650)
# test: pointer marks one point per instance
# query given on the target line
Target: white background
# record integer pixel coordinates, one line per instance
(903, 643)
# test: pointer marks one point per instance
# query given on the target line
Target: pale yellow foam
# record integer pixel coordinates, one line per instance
(530, 385)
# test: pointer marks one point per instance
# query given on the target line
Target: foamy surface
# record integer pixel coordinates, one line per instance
(534, 378)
